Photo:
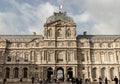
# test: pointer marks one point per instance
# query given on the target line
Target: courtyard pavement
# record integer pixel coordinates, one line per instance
(112, 82)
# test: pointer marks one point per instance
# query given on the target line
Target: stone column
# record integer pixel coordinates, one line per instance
(3, 74)
(28, 72)
(108, 73)
(44, 72)
(20, 72)
(85, 56)
(55, 57)
(74, 72)
(89, 59)
(90, 74)
(99, 72)
(54, 73)
(116, 71)
(32, 56)
(65, 74)
(1, 71)
(66, 58)
(11, 72)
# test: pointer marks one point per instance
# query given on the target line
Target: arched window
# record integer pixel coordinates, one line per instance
(7, 75)
(68, 32)
(49, 32)
(59, 33)
(94, 73)
(112, 73)
(70, 72)
(25, 70)
(16, 72)
(60, 74)
(103, 72)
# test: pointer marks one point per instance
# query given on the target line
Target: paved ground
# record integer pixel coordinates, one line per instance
(53, 83)
(34, 83)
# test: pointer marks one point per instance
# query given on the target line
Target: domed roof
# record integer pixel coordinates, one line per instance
(60, 16)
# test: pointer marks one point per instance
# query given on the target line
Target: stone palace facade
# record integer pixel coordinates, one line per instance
(59, 53)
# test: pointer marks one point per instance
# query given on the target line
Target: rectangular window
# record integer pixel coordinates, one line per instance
(82, 57)
(37, 57)
(26, 57)
(59, 56)
(93, 58)
(49, 57)
(102, 57)
(17, 57)
(110, 57)
(69, 56)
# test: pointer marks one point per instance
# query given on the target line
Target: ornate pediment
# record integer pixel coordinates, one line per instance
(117, 39)
(60, 23)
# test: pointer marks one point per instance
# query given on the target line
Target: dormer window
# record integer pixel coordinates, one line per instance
(109, 45)
(37, 44)
(26, 45)
(100, 44)
(19, 45)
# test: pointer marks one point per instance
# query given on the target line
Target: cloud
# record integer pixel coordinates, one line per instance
(82, 18)
(96, 16)
(26, 20)
(105, 14)
(93, 16)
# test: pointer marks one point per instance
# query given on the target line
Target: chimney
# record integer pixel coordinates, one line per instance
(84, 33)
(34, 33)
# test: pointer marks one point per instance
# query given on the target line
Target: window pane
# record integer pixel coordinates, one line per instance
(25, 72)
(26, 57)
(59, 56)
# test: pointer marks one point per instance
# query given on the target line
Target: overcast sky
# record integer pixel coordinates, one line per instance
(27, 16)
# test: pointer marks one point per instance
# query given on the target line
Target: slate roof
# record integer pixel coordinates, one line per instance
(60, 16)
(20, 38)
(99, 37)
